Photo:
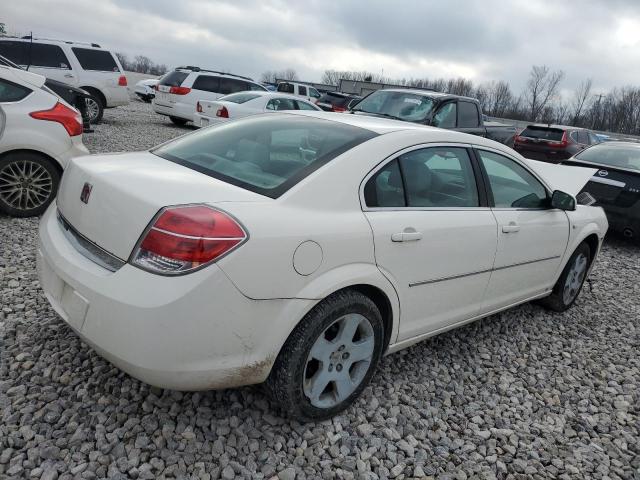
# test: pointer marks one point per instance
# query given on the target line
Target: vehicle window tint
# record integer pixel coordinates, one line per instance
(14, 51)
(50, 56)
(281, 104)
(285, 88)
(615, 155)
(439, 177)
(12, 92)
(445, 117)
(267, 154)
(468, 115)
(511, 184)
(305, 105)
(231, 85)
(96, 60)
(241, 97)
(385, 188)
(173, 79)
(207, 83)
(314, 93)
(302, 90)
(543, 133)
(583, 137)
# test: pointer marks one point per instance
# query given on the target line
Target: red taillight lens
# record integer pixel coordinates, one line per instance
(338, 109)
(70, 119)
(563, 143)
(179, 90)
(182, 239)
(519, 139)
(198, 107)
(222, 112)
(122, 81)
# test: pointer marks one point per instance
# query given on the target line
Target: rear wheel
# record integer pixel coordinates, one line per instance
(329, 358)
(570, 283)
(28, 184)
(95, 108)
(178, 121)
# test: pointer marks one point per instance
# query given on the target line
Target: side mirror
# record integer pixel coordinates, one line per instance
(563, 201)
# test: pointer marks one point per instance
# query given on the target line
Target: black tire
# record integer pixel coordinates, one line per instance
(557, 301)
(95, 108)
(178, 121)
(285, 383)
(27, 198)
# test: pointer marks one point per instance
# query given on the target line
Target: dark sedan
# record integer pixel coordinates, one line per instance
(616, 184)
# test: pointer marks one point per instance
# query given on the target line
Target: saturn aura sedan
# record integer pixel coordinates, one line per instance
(297, 249)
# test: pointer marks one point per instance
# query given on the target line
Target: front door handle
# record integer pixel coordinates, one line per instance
(513, 227)
(408, 235)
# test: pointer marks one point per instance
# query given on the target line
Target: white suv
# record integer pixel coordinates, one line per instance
(84, 65)
(179, 91)
(299, 89)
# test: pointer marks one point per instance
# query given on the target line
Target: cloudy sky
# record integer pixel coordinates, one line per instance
(478, 39)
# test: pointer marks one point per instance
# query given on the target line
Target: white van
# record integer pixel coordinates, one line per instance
(84, 65)
(300, 89)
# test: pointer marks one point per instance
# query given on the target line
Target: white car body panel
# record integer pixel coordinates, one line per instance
(146, 87)
(232, 336)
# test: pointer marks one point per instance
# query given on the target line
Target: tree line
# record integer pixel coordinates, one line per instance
(141, 64)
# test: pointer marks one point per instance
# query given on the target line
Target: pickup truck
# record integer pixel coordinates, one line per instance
(442, 110)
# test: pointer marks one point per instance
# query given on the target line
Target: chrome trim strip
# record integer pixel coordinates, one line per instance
(87, 248)
(480, 272)
(191, 237)
(608, 181)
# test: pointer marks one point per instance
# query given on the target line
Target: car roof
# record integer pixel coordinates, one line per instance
(55, 41)
(428, 93)
(618, 144)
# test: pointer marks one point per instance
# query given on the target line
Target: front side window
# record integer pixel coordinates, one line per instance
(583, 137)
(49, 56)
(435, 177)
(266, 154)
(207, 83)
(445, 117)
(406, 106)
(468, 115)
(12, 92)
(281, 104)
(314, 93)
(511, 184)
(96, 60)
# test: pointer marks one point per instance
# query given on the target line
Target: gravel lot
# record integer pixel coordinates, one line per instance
(522, 394)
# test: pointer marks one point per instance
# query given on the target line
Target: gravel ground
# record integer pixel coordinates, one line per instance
(522, 394)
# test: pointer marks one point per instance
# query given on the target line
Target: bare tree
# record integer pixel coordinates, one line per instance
(270, 76)
(124, 61)
(579, 100)
(542, 86)
(142, 64)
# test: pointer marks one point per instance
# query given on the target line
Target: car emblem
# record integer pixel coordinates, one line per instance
(86, 192)
(603, 173)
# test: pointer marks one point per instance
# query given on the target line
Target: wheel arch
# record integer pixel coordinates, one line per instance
(52, 160)
(98, 93)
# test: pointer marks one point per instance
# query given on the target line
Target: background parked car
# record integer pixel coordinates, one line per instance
(300, 89)
(178, 92)
(616, 185)
(84, 65)
(441, 110)
(553, 143)
(337, 101)
(243, 104)
(145, 89)
(39, 134)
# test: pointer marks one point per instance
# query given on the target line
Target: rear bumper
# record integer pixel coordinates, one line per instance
(179, 110)
(206, 121)
(193, 332)
(551, 156)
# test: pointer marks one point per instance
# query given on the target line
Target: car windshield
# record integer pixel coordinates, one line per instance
(623, 156)
(241, 97)
(401, 105)
(265, 154)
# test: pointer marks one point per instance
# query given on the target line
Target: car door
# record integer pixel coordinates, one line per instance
(469, 118)
(435, 237)
(51, 62)
(532, 237)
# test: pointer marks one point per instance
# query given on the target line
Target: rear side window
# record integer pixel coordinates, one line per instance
(468, 115)
(285, 88)
(385, 188)
(304, 105)
(302, 90)
(14, 51)
(96, 60)
(50, 56)
(239, 97)
(583, 137)
(265, 154)
(12, 92)
(173, 79)
(231, 85)
(543, 133)
(208, 83)
(281, 104)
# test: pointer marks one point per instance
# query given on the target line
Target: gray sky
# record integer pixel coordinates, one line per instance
(478, 39)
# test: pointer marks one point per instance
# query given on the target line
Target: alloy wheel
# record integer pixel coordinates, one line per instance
(93, 109)
(574, 279)
(25, 185)
(338, 361)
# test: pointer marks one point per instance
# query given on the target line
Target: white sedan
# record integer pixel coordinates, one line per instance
(299, 248)
(243, 104)
(39, 134)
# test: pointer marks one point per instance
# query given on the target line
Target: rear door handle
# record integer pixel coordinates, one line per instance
(409, 235)
(513, 227)
(68, 75)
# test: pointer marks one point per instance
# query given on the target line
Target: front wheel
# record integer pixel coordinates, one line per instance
(570, 283)
(329, 358)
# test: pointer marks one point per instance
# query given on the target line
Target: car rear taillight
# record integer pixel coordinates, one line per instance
(69, 118)
(122, 81)
(563, 143)
(198, 107)
(338, 109)
(179, 90)
(184, 238)
(519, 139)
(222, 112)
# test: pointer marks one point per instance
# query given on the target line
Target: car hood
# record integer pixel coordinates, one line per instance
(562, 177)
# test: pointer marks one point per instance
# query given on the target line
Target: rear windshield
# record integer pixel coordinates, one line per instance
(623, 156)
(96, 60)
(543, 133)
(267, 154)
(334, 99)
(239, 97)
(173, 79)
(400, 105)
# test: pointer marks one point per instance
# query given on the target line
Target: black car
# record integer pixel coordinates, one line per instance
(553, 143)
(337, 101)
(616, 184)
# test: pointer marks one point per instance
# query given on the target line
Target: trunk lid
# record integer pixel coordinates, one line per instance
(126, 192)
